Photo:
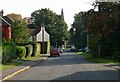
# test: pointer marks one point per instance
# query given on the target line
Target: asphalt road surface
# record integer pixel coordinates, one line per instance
(69, 66)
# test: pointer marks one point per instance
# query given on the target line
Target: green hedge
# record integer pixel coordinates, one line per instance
(21, 52)
(8, 51)
(36, 49)
(29, 50)
(46, 47)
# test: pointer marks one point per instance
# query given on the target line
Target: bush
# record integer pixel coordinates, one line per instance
(116, 57)
(29, 50)
(36, 49)
(21, 52)
(8, 51)
(46, 48)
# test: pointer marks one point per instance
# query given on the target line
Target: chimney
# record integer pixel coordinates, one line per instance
(1, 13)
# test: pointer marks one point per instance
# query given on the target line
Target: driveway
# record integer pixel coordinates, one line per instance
(69, 66)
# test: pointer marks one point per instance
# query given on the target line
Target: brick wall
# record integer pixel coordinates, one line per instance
(6, 33)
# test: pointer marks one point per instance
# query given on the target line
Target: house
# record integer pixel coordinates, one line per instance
(40, 36)
(6, 26)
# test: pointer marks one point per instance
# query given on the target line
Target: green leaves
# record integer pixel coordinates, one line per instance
(20, 32)
(54, 25)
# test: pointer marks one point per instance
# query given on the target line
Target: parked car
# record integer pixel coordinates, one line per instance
(87, 49)
(82, 50)
(60, 50)
(54, 52)
(72, 48)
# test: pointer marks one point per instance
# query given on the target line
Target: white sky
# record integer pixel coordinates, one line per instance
(26, 7)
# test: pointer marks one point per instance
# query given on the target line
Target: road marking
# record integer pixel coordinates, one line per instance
(21, 70)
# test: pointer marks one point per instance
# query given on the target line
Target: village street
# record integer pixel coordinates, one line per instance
(69, 66)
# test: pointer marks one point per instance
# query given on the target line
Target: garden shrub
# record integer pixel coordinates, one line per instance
(29, 50)
(36, 49)
(8, 51)
(48, 47)
(116, 57)
(21, 52)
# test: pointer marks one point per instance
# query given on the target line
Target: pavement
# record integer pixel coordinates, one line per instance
(26, 64)
(114, 66)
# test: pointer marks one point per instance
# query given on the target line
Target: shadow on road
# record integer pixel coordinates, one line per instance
(107, 75)
(68, 58)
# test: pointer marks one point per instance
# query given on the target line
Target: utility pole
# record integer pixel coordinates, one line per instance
(42, 28)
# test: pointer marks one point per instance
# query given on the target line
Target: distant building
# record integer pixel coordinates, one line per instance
(39, 35)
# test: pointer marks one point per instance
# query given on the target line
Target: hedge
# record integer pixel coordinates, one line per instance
(36, 49)
(21, 52)
(29, 50)
(8, 51)
(46, 48)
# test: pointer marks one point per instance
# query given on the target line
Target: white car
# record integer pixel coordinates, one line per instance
(87, 49)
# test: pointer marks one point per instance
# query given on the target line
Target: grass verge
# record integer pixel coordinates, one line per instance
(90, 58)
(15, 63)
(9, 65)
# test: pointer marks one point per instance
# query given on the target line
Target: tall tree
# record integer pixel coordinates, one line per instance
(78, 33)
(15, 16)
(54, 24)
(19, 32)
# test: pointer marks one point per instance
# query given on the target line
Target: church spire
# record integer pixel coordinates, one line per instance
(62, 13)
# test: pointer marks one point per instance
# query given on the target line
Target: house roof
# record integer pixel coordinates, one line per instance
(6, 21)
(33, 32)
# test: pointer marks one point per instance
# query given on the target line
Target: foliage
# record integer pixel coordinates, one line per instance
(14, 16)
(91, 58)
(36, 49)
(9, 65)
(78, 34)
(29, 50)
(21, 52)
(55, 25)
(107, 31)
(102, 27)
(20, 32)
(48, 47)
(8, 51)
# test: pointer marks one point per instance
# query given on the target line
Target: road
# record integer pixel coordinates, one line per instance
(69, 66)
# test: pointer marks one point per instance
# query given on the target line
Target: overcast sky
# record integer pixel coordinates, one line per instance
(26, 7)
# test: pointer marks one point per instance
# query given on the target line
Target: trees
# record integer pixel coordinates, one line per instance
(77, 32)
(15, 16)
(19, 28)
(19, 32)
(103, 28)
(54, 25)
